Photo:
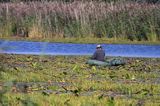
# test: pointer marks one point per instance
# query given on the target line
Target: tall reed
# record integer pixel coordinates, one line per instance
(118, 20)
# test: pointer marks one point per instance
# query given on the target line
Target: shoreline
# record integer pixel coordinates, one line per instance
(87, 56)
(81, 40)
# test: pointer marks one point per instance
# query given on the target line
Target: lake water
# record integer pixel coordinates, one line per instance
(47, 48)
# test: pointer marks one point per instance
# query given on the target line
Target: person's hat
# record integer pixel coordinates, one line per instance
(99, 46)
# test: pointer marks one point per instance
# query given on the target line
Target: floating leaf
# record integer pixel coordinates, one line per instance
(111, 102)
(133, 77)
(75, 67)
(94, 68)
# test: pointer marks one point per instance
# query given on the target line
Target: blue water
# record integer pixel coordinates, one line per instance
(46, 48)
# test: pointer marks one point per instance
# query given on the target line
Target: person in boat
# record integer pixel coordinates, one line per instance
(99, 54)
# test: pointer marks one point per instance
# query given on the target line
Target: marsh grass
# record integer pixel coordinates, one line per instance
(117, 20)
(72, 82)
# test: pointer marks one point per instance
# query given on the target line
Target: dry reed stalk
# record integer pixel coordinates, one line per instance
(80, 17)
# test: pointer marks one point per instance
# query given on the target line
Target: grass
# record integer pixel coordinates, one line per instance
(66, 80)
(72, 82)
(83, 40)
(124, 21)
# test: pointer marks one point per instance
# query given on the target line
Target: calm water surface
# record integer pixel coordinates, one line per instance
(46, 48)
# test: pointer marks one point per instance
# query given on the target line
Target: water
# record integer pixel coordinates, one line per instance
(46, 48)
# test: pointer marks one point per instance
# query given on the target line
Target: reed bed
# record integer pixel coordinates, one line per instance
(118, 20)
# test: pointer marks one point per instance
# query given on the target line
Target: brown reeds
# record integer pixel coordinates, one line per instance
(121, 20)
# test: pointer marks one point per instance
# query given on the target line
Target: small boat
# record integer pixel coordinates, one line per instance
(110, 62)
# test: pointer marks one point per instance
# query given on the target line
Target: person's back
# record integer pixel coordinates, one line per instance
(99, 54)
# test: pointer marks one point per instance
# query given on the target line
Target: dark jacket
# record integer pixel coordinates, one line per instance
(99, 55)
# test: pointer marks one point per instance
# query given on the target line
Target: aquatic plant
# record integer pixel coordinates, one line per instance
(67, 80)
(118, 20)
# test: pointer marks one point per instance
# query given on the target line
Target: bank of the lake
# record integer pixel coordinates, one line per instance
(83, 40)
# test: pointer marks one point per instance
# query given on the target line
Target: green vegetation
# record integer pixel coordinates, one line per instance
(125, 21)
(28, 80)
(83, 40)
(66, 80)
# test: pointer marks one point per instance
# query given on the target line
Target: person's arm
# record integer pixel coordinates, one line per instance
(94, 56)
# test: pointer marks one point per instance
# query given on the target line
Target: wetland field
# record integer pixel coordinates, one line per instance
(42, 80)
(30, 80)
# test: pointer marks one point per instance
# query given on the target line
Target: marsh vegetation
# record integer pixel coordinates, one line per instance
(67, 80)
(116, 20)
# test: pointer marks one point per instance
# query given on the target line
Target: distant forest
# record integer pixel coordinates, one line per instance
(139, 1)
